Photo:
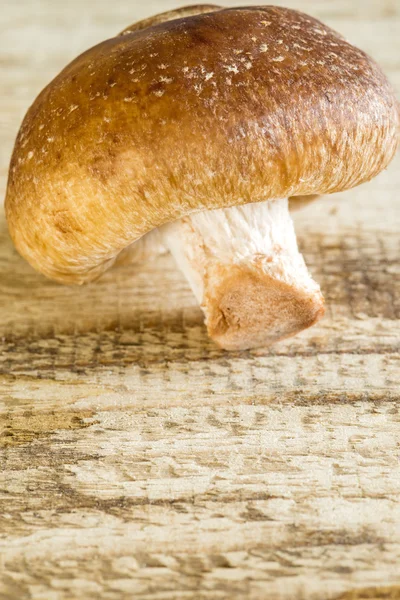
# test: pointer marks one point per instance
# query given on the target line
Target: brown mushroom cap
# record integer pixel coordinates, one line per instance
(220, 109)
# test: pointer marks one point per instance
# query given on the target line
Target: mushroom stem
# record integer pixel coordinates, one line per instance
(246, 271)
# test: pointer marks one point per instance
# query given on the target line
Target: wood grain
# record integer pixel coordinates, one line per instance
(138, 460)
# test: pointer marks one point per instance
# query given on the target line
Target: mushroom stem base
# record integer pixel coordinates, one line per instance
(252, 309)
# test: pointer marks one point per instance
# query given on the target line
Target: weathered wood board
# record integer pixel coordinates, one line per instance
(137, 459)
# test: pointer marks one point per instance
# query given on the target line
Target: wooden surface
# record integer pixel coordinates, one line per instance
(139, 461)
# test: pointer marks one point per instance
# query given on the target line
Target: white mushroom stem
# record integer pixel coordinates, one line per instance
(246, 271)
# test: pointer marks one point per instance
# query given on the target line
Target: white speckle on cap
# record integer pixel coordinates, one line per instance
(164, 79)
(30, 155)
(305, 47)
(128, 99)
(237, 52)
(254, 39)
(280, 42)
(112, 84)
(107, 120)
(232, 69)
(209, 76)
(159, 93)
(162, 66)
(264, 48)
(278, 59)
(72, 108)
(185, 69)
(50, 140)
(319, 31)
(266, 23)
(320, 62)
(248, 65)
(296, 27)
(153, 54)
(228, 81)
(131, 72)
(41, 127)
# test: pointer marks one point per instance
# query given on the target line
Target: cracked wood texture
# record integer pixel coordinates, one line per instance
(138, 460)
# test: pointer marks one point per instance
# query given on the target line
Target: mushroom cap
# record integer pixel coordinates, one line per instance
(214, 110)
